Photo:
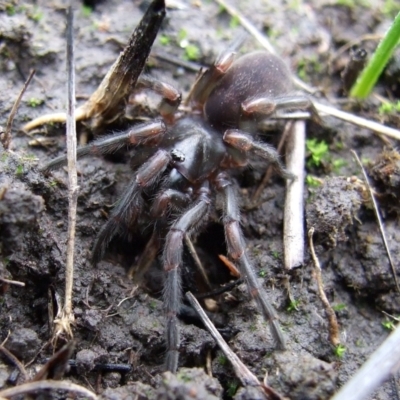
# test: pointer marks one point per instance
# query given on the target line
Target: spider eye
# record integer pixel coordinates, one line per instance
(177, 155)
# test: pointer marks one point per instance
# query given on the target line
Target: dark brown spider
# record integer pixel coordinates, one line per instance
(189, 154)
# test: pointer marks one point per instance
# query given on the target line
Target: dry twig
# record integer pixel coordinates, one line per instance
(242, 372)
(333, 324)
(15, 361)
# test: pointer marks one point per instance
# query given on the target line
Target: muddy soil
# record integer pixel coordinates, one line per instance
(120, 322)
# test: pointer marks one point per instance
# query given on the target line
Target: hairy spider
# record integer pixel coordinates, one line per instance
(188, 155)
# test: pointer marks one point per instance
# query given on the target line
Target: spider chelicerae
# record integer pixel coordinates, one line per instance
(188, 155)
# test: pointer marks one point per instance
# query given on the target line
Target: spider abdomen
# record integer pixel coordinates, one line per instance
(251, 76)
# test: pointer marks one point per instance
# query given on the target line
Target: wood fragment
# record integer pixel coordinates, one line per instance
(107, 103)
(293, 225)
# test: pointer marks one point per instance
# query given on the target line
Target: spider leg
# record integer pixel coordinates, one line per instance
(267, 106)
(246, 143)
(237, 251)
(191, 219)
(171, 98)
(149, 132)
(130, 204)
(169, 199)
(207, 79)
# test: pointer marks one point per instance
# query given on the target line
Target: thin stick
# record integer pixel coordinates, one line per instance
(242, 372)
(333, 324)
(381, 365)
(293, 226)
(31, 387)
(359, 121)
(15, 361)
(197, 260)
(6, 139)
(67, 317)
(11, 282)
(380, 223)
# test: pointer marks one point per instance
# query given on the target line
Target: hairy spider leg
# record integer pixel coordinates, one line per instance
(246, 143)
(146, 133)
(207, 79)
(169, 199)
(171, 98)
(237, 252)
(131, 202)
(189, 221)
(266, 106)
(166, 200)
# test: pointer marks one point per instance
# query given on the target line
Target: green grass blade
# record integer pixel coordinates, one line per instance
(378, 61)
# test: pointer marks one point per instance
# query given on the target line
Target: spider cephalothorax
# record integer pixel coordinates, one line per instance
(189, 155)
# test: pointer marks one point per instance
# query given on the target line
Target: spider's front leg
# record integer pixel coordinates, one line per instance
(149, 133)
(131, 203)
(189, 221)
(237, 251)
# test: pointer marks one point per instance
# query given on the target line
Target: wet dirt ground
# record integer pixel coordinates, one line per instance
(119, 322)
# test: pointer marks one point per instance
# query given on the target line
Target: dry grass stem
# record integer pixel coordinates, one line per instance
(63, 323)
(33, 387)
(6, 136)
(11, 282)
(246, 377)
(197, 260)
(333, 324)
(293, 226)
(379, 219)
(15, 361)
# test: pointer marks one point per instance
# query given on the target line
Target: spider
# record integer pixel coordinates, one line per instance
(188, 155)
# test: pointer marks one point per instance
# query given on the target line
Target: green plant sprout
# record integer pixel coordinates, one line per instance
(318, 151)
(389, 107)
(370, 74)
(164, 40)
(340, 350)
(339, 307)
(313, 181)
(34, 102)
(389, 325)
(293, 306)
